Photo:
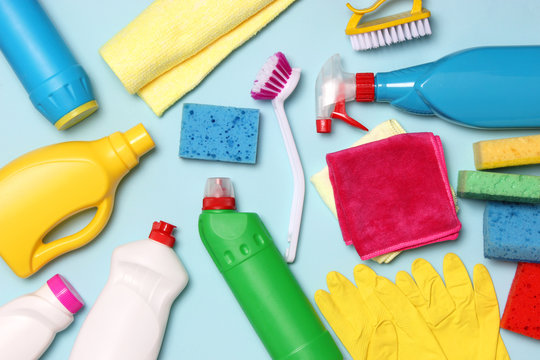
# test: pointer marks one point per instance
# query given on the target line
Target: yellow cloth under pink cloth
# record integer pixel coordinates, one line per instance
(321, 180)
(173, 44)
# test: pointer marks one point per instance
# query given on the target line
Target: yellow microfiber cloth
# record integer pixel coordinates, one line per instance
(173, 44)
(321, 180)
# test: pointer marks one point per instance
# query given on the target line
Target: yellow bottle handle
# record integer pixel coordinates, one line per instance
(46, 252)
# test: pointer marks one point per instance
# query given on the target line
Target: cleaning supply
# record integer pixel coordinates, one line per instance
(492, 154)
(130, 315)
(259, 278)
(456, 312)
(511, 231)
(333, 89)
(195, 36)
(29, 323)
(522, 311)
(219, 133)
(485, 185)
(438, 88)
(276, 81)
(57, 85)
(71, 177)
(393, 194)
(321, 180)
(374, 320)
(389, 29)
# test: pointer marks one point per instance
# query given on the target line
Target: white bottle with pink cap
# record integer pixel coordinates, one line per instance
(29, 323)
(129, 317)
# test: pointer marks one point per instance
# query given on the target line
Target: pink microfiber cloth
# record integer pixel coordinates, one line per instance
(393, 194)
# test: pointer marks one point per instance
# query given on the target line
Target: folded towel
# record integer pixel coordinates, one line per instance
(173, 44)
(393, 194)
(321, 180)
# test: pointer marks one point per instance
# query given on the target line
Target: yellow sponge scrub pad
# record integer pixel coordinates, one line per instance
(173, 44)
(514, 151)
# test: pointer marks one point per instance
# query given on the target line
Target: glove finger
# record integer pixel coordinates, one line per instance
(487, 310)
(406, 284)
(414, 336)
(484, 293)
(397, 304)
(347, 297)
(502, 353)
(458, 282)
(345, 331)
(384, 343)
(366, 280)
(439, 302)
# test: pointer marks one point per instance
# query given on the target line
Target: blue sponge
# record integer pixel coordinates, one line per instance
(219, 133)
(512, 231)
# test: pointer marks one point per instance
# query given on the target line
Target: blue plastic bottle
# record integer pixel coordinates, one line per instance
(57, 85)
(485, 87)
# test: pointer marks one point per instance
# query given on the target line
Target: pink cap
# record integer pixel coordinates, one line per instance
(65, 293)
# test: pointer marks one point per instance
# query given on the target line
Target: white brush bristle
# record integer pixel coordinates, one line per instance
(391, 35)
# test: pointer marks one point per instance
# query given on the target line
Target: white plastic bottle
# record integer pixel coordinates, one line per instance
(29, 323)
(129, 317)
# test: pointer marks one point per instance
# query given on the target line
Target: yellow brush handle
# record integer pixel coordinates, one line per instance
(49, 251)
(366, 10)
(417, 7)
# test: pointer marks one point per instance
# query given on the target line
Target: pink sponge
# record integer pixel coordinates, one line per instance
(522, 311)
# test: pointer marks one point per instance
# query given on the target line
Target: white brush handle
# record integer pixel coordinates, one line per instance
(298, 177)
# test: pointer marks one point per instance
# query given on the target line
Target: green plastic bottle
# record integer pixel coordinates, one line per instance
(260, 279)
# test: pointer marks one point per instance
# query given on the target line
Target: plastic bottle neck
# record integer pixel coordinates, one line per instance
(131, 145)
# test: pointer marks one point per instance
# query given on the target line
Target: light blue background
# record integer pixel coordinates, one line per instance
(206, 322)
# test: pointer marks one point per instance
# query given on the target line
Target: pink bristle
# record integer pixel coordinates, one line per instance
(272, 87)
(274, 81)
(277, 75)
(263, 94)
(283, 62)
(272, 77)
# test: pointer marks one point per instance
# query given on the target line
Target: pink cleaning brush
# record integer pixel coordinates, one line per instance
(276, 81)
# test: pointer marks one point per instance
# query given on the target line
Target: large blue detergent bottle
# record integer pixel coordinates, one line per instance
(485, 87)
(57, 85)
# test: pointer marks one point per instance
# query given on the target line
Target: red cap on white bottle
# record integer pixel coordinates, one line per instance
(162, 233)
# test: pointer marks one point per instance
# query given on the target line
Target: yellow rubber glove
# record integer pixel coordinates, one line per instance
(464, 320)
(375, 320)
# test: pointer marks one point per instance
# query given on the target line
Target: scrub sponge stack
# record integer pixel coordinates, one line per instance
(511, 226)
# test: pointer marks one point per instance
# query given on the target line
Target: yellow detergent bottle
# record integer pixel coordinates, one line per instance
(44, 187)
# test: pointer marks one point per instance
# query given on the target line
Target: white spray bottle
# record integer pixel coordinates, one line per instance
(29, 323)
(129, 317)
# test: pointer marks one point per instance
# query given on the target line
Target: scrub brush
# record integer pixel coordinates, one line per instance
(387, 30)
(276, 81)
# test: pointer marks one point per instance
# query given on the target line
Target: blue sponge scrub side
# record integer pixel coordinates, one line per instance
(512, 231)
(219, 133)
